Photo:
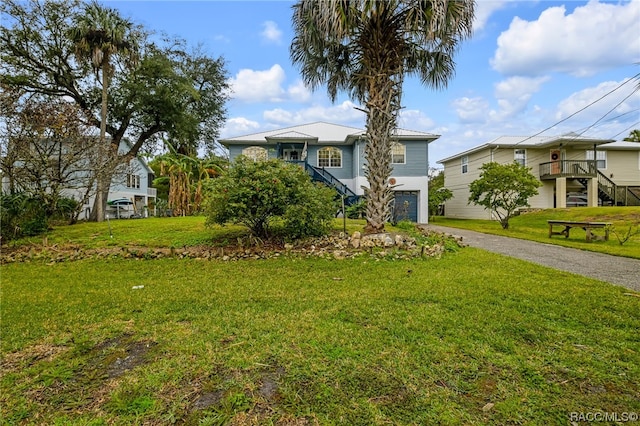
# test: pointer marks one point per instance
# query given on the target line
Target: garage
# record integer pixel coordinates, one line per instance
(405, 206)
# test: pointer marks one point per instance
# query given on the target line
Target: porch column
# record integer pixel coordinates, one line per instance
(592, 192)
(561, 192)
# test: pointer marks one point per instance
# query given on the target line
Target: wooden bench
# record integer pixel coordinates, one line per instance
(587, 226)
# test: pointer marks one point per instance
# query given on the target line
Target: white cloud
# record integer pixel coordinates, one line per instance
(271, 33)
(594, 37)
(513, 96)
(622, 103)
(258, 86)
(253, 86)
(484, 10)
(342, 113)
(414, 119)
(471, 110)
(239, 126)
(298, 92)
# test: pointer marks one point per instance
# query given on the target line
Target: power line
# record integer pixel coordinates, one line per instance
(627, 129)
(483, 159)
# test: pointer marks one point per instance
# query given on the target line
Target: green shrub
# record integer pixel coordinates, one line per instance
(356, 210)
(26, 215)
(256, 194)
(22, 215)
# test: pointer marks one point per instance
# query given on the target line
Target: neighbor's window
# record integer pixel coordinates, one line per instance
(329, 157)
(520, 156)
(133, 181)
(256, 153)
(601, 160)
(398, 153)
(465, 164)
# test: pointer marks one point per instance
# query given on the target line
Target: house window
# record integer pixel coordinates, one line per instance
(398, 153)
(329, 157)
(465, 164)
(520, 156)
(133, 181)
(601, 160)
(256, 153)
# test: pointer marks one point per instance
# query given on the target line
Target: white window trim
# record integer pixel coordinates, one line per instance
(133, 181)
(464, 164)
(589, 156)
(404, 152)
(515, 155)
(252, 153)
(330, 149)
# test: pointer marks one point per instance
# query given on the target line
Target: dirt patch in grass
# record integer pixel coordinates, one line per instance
(633, 218)
(42, 352)
(86, 387)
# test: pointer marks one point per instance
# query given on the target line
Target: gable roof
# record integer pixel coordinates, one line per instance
(319, 132)
(570, 139)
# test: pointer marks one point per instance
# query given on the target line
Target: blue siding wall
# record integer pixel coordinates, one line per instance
(416, 160)
(344, 172)
(235, 150)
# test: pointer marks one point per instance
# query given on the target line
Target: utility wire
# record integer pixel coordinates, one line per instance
(482, 159)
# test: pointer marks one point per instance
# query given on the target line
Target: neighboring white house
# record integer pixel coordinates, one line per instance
(131, 193)
(131, 187)
(601, 171)
(334, 154)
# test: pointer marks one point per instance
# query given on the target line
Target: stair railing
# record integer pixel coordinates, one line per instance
(607, 186)
(318, 173)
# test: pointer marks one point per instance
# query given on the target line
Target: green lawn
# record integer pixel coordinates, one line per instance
(295, 341)
(533, 226)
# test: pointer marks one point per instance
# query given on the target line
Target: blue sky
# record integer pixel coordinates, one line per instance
(528, 66)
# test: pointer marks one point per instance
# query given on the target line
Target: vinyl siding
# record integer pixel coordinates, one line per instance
(236, 150)
(458, 183)
(416, 160)
(624, 166)
(344, 172)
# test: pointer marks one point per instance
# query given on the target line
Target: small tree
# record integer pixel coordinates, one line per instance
(255, 194)
(438, 194)
(503, 188)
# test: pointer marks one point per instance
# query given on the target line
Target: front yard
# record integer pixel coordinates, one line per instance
(471, 338)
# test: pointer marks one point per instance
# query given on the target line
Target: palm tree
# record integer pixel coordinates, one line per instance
(634, 136)
(186, 177)
(366, 48)
(99, 34)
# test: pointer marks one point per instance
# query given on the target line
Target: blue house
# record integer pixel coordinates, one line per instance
(334, 154)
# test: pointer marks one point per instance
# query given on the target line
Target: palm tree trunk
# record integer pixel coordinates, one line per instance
(102, 186)
(381, 121)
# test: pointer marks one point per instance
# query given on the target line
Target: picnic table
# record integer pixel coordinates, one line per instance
(587, 226)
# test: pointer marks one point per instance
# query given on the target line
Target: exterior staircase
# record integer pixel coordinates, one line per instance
(319, 174)
(616, 195)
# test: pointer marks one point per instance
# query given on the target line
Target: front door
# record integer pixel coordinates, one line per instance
(291, 155)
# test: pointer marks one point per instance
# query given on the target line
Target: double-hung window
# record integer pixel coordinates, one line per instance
(398, 153)
(133, 181)
(465, 164)
(601, 158)
(520, 156)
